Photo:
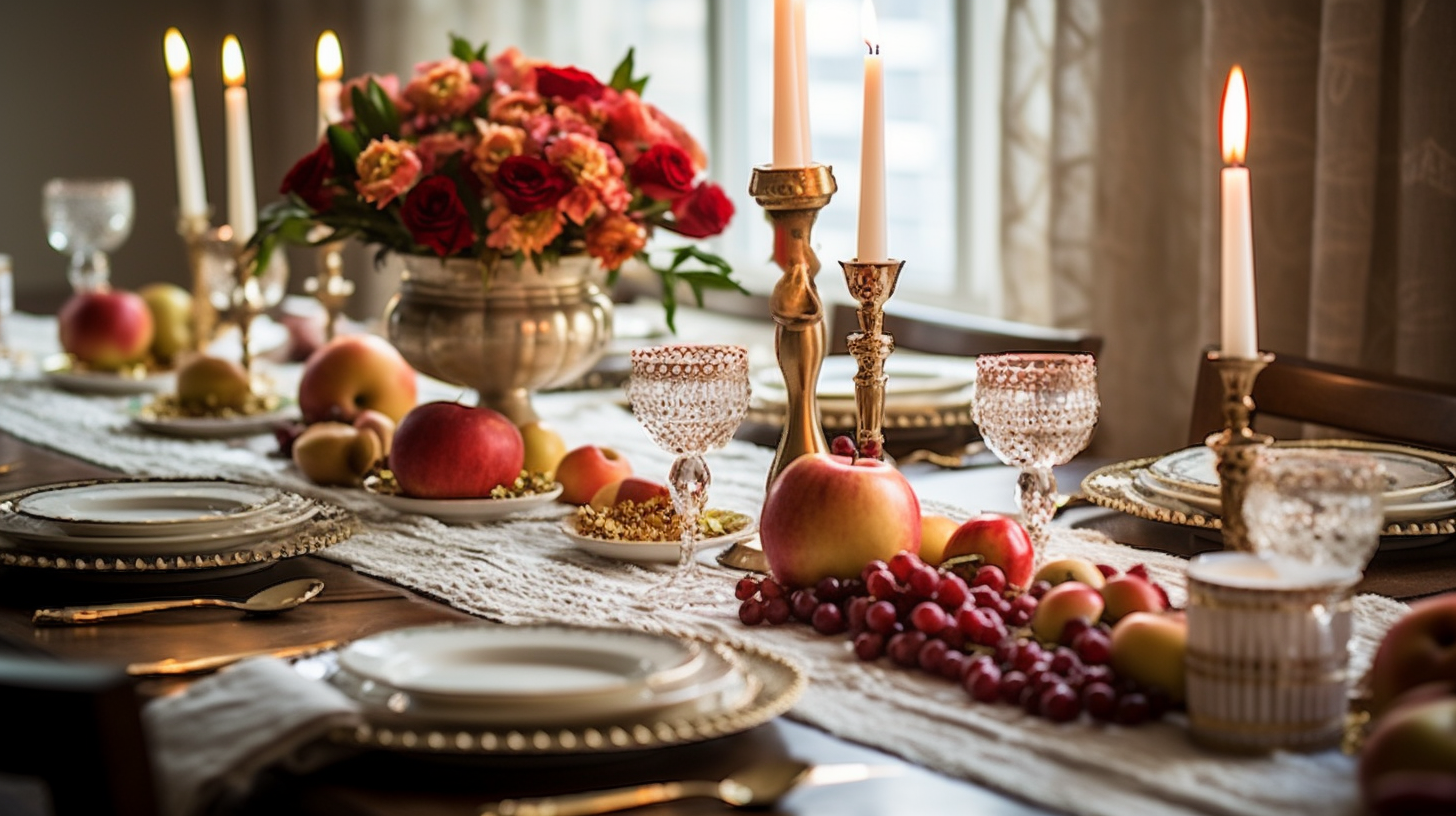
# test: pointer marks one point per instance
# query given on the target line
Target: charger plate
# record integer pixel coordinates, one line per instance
(1412, 472)
(775, 685)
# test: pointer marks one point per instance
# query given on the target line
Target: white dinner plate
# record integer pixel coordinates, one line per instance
(649, 552)
(59, 373)
(1436, 503)
(130, 508)
(216, 427)
(1192, 471)
(465, 511)
(909, 374)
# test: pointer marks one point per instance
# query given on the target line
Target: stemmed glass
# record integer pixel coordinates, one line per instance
(88, 218)
(690, 398)
(1036, 411)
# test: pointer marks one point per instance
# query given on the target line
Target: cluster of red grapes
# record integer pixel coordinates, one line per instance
(970, 632)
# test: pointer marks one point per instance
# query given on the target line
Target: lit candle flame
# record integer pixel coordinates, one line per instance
(179, 61)
(1235, 133)
(330, 58)
(869, 25)
(232, 62)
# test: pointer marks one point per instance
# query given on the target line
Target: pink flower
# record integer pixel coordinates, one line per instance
(442, 89)
(631, 127)
(516, 107)
(435, 149)
(497, 143)
(530, 233)
(512, 71)
(585, 160)
(578, 205)
(386, 170)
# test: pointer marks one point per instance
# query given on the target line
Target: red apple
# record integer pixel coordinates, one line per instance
(1062, 603)
(1408, 763)
(585, 470)
(829, 515)
(353, 372)
(445, 450)
(632, 489)
(996, 539)
(1419, 648)
(1125, 594)
(1149, 648)
(106, 329)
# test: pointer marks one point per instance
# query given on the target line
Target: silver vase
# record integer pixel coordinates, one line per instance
(504, 331)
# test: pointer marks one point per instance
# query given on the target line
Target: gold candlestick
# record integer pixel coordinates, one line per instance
(871, 283)
(1237, 446)
(793, 197)
(331, 288)
(194, 230)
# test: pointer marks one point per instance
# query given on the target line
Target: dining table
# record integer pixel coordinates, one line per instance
(922, 745)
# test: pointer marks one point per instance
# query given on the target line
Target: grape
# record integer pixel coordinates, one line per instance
(1012, 684)
(881, 584)
(928, 617)
(902, 564)
(1072, 628)
(931, 655)
(969, 621)
(1042, 678)
(1132, 709)
(871, 449)
(1038, 589)
(1060, 704)
(1158, 703)
(904, 647)
(828, 619)
(881, 617)
(923, 580)
(869, 645)
(747, 587)
(829, 589)
(951, 634)
(1002, 607)
(992, 576)
(993, 633)
(1093, 646)
(984, 685)
(1030, 700)
(953, 666)
(855, 613)
(1006, 651)
(1018, 617)
(751, 612)
(776, 611)
(851, 588)
(1100, 700)
(873, 566)
(803, 602)
(1097, 674)
(983, 596)
(980, 662)
(1139, 571)
(1064, 660)
(769, 588)
(1028, 655)
(842, 446)
(952, 592)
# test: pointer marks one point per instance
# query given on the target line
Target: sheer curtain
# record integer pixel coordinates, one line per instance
(1110, 197)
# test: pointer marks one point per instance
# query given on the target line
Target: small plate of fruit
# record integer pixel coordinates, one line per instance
(214, 398)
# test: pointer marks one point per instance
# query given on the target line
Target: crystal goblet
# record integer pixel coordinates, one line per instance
(88, 218)
(690, 399)
(1317, 506)
(1036, 411)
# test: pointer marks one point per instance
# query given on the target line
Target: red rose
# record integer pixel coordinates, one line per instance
(567, 83)
(309, 178)
(530, 184)
(703, 212)
(664, 172)
(436, 217)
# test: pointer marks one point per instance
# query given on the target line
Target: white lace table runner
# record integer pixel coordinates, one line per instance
(526, 570)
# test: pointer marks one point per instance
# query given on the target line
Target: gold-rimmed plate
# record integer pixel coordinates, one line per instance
(226, 427)
(1411, 472)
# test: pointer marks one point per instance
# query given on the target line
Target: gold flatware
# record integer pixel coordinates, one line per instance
(754, 786)
(173, 667)
(958, 460)
(276, 598)
(744, 555)
(10, 467)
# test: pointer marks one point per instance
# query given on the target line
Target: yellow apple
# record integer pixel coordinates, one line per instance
(1149, 648)
(171, 307)
(935, 533)
(544, 448)
(1070, 569)
(212, 384)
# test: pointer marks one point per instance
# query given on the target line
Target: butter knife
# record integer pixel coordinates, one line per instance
(173, 667)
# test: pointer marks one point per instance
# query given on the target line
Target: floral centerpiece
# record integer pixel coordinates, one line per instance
(503, 157)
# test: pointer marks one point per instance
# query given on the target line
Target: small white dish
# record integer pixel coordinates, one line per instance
(909, 374)
(466, 511)
(216, 427)
(58, 372)
(650, 552)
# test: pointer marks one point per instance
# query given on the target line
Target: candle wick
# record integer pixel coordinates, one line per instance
(873, 47)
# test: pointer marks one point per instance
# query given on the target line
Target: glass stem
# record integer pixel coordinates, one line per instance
(1036, 496)
(90, 270)
(689, 482)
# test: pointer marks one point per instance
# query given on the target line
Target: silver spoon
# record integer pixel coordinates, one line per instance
(276, 598)
(757, 785)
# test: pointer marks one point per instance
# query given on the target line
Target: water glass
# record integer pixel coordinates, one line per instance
(87, 219)
(1316, 506)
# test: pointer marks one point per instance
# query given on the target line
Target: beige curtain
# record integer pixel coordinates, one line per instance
(1110, 196)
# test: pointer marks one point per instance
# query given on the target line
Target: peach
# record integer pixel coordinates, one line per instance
(380, 424)
(1063, 570)
(1149, 648)
(585, 470)
(353, 372)
(1061, 604)
(333, 453)
(935, 533)
(1125, 594)
(1419, 648)
(632, 489)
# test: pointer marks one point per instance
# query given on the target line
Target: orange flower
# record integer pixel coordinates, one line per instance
(530, 233)
(583, 159)
(442, 88)
(497, 143)
(516, 107)
(386, 170)
(614, 240)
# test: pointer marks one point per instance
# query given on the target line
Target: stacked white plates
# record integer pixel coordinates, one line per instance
(150, 517)
(485, 675)
(1421, 483)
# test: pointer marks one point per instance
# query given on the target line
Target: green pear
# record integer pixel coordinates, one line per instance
(171, 308)
(211, 384)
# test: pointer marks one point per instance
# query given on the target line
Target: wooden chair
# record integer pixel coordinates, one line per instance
(73, 742)
(1378, 406)
(945, 331)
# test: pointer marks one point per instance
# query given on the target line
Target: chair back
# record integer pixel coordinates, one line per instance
(1378, 406)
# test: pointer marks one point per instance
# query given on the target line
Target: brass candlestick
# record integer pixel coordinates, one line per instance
(331, 288)
(871, 283)
(793, 197)
(194, 230)
(1237, 446)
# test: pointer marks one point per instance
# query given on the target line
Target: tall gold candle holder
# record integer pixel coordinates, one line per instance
(1237, 446)
(793, 197)
(871, 283)
(194, 230)
(330, 287)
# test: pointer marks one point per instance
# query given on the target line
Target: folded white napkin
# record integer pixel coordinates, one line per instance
(210, 741)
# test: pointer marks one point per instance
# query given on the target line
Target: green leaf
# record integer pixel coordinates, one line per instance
(622, 79)
(388, 114)
(460, 48)
(346, 149)
(371, 118)
(362, 124)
